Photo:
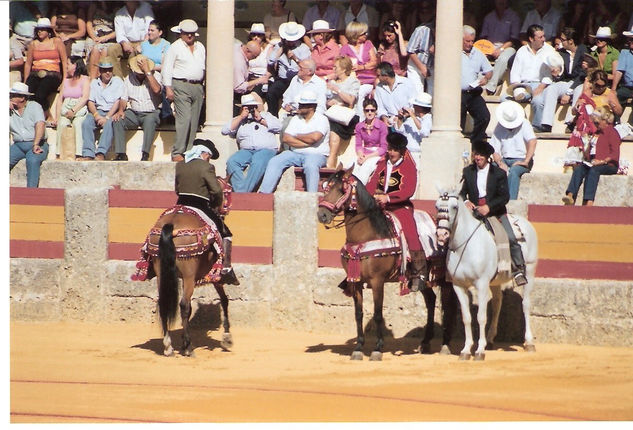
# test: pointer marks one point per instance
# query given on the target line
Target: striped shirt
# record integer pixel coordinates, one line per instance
(420, 42)
(139, 94)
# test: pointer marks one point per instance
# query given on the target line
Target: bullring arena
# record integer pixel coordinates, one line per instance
(85, 345)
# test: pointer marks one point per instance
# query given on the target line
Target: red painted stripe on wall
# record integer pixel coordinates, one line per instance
(584, 270)
(329, 258)
(580, 214)
(35, 249)
(36, 196)
(241, 254)
(252, 202)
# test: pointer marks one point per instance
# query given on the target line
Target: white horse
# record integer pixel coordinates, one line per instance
(471, 262)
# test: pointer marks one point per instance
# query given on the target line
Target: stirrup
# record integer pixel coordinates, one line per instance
(228, 277)
(520, 279)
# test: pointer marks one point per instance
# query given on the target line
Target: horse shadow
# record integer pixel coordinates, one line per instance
(207, 317)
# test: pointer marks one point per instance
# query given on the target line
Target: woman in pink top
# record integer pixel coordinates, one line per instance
(361, 51)
(371, 141)
(325, 49)
(71, 104)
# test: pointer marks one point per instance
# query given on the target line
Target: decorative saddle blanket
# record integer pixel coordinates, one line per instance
(190, 242)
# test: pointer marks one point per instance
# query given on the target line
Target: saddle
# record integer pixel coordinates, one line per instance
(504, 259)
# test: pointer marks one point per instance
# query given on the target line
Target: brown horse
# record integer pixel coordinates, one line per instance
(184, 232)
(365, 223)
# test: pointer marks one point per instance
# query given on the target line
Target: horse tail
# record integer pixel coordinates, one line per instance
(168, 280)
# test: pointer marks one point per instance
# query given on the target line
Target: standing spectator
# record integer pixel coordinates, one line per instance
(601, 158)
(45, 64)
(100, 29)
(308, 137)
(360, 13)
(72, 103)
(28, 131)
(324, 11)
(325, 49)
(277, 16)
(624, 72)
(421, 48)
(363, 55)
(155, 48)
(106, 92)
(476, 70)
(393, 47)
(130, 25)
(69, 22)
(142, 93)
(305, 80)
(370, 137)
(514, 143)
(242, 54)
(255, 132)
(183, 74)
(285, 58)
(501, 27)
(606, 54)
(258, 67)
(543, 15)
(392, 94)
(415, 123)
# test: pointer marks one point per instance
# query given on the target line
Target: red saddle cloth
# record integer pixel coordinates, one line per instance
(205, 237)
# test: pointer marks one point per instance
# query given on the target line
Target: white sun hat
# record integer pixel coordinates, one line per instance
(423, 100)
(291, 31)
(628, 33)
(320, 26)
(510, 114)
(307, 97)
(20, 88)
(257, 28)
(603, 33)
(186, 26)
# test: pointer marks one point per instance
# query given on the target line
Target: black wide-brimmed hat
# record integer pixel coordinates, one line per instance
(397, 141)
(483, 148)
(209, 144)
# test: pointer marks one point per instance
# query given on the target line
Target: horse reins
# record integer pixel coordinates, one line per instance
(349, 193)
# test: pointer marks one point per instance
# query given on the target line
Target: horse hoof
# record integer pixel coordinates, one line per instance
(529, 348)
(188, 353)
(375, 356)
(356, 355)
(169, 352)
(445, 350)
(425, 348)
(464, 356)
(479, 357)
(227, 341)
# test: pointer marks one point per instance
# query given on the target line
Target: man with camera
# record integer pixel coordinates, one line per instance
(392, 93)
(254, 130)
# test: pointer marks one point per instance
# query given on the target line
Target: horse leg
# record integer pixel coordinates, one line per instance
(464, 302)
(185, 313)
(527, 304)
(227, 339)
(449, 307)
(429, 300)
(377, 287)
(358, 309)
(483, 291)
(497, 298)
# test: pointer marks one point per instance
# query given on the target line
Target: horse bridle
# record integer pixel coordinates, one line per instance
(349, 193)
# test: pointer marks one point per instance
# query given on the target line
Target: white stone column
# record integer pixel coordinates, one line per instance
(441, 153)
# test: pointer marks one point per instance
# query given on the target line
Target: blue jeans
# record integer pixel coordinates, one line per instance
(311, 164)
(591, 176)
(514, 175)
(20, 150)
(105, 140)
(256, 160)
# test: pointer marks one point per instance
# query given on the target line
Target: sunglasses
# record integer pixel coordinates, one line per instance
(369, 110)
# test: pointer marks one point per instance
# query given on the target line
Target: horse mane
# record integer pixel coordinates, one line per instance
(374, 212)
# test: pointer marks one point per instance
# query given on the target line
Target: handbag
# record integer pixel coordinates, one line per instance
(67, 150)
(340, 114)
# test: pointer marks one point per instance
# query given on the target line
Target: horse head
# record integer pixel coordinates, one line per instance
(339, 195)
(447, 206)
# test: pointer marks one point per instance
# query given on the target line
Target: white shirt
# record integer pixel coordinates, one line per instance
(180, 62)
(512, 143)
(413, 134)
(297, 86)
(366, 14)
(133, 29)
(318, 122)
(549, 22)
(530, 66)
(390, 101)
(482, 180)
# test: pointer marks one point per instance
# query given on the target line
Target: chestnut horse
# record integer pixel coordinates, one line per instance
(365, 222)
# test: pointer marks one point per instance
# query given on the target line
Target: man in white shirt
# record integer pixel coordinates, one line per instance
(305, 80)
(415, 123)
(514, 143)
(183, 74)
(392, 93)
(130, 25)
(308, 136)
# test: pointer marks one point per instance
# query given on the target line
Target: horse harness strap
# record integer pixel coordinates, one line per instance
(355, 252)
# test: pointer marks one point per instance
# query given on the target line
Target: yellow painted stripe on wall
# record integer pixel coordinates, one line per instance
(36, 214)
(616, 253)
(251, 228)
(36, 231)
(583, 233)
(332, 239)
(131, 225)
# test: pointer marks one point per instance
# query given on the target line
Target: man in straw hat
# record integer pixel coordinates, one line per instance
(255, 132)
(27, 128)
(308, 137)
(415, 123)
(485, 192)
(139, 106)
(514, 143)
(623, 76)
(183, 73)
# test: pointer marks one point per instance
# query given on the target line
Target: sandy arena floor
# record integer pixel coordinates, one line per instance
(114, 373)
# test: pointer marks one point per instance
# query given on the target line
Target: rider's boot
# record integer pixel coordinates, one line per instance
(519, 276)
(228, 275)
(419, 270)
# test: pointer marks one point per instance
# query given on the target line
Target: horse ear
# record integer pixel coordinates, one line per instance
(339, 167)
(439, 188)
(348, 172)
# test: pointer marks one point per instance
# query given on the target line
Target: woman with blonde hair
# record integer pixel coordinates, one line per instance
(361, 51)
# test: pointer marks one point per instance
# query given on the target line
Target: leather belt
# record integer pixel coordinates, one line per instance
(190, 81)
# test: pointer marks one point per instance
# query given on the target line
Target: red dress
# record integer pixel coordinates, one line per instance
(402, 185)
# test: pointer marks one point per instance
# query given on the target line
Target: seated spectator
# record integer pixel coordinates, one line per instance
(138, 106)
(68, 19)
(576, 17)
(601, 158)
(623, 73)
(421, 49)
(258, 67)
(308, 137)
(370, 141)
(45, 64)
(28, 131)
(393, 48)
(242, 54)
(16, 61)
(543, 15)
(255, 132)
(130, 25)
(501, 27)
(306, 79)
(361, 51)
(556, 87)
(605, 54)
(607, 13)
(587, 64)
(277, 16)
(101, 35)
(106, 92)
(72, 103)
(514, 143)
(155, 48)
(324, 11)
(23, 16)
(343, 91)
(284, 59)
(415, 123)
(325, 49)
(359, 12)
(392, 94)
